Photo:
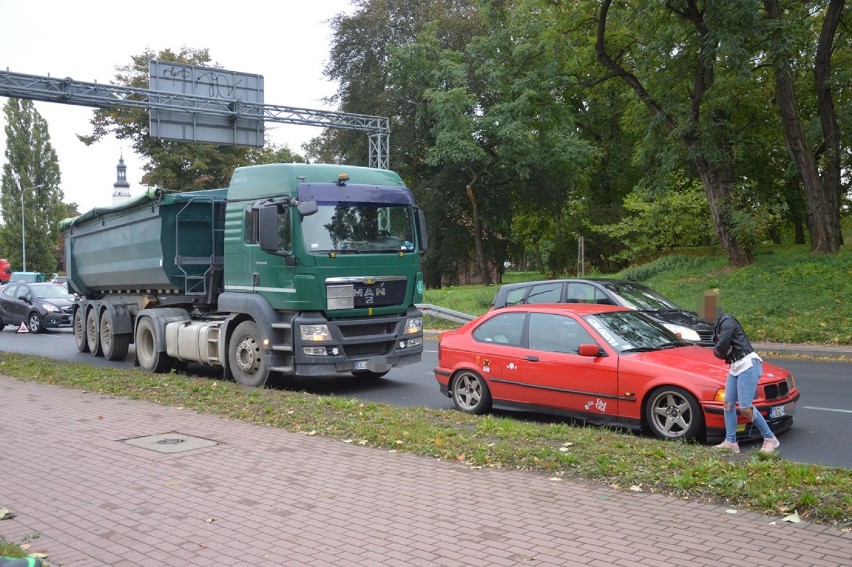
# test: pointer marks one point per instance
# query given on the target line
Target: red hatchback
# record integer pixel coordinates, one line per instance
(604, 365)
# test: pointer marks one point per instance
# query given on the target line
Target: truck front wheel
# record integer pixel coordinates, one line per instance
(245, 356)
(149, 357)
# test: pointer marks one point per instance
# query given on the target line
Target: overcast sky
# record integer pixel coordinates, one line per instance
(286, 41)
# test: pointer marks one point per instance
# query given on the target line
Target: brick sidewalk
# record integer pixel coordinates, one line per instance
(263, 496)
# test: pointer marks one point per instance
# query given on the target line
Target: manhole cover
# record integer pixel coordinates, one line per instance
(170, 442)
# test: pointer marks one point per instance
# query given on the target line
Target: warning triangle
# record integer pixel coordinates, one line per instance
(23, 328)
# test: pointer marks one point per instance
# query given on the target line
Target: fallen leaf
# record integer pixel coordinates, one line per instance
(5, 513)
(211, 519)
(636, 488)
(730, 511)
(792, 518)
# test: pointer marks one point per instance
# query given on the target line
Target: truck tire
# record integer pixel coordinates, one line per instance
(149, 357)
(93, 333)
(79, 324)
(245, 356)
(114, 346)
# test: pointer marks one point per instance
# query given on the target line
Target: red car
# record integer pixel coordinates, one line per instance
(601, 364)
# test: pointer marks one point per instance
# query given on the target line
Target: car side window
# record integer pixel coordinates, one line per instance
(557, 333)
(506, 329)
(545, 293)
(581, 293)
(515, 296)
(22, 291)
(10, 290)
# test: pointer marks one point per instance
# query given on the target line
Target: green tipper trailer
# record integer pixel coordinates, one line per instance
(306, 270)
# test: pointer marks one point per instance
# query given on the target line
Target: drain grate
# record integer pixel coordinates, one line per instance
(170, 442)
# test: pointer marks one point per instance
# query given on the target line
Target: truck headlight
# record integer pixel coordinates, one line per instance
(314, 333)
(683, 332)
(414, 326)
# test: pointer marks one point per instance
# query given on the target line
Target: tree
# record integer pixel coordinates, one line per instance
(30, 187)
(181, 166)
(679, 50)
(819, 162)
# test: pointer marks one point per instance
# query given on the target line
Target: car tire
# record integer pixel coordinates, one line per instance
(34, 323)
(470, 392)
(672, 413)
(79, 325)
(2, 324)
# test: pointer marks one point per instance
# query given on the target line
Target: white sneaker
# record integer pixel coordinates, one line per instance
(770, 445)
(728, 446)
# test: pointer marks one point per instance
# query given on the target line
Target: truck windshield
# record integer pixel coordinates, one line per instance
(359, 228)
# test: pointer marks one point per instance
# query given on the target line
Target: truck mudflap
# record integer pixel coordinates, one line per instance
(372, 345)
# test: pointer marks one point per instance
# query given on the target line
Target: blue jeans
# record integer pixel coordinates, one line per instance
(742, 388)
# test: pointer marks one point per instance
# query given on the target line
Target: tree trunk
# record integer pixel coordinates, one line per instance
(822, 193)
(717, 182)
(477, 233)
(715, 178)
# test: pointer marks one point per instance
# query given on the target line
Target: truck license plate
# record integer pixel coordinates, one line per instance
(362, 365)
(777, 411)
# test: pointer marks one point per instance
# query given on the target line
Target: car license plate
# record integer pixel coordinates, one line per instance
(777, 411)
(360, 365)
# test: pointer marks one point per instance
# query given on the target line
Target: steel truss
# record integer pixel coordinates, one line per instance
(97, 95)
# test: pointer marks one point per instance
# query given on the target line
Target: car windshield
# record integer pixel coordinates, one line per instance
(638, 296)
(359, 228)
(51, 291)
(630, 331)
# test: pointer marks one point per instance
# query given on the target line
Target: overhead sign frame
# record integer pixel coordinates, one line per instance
(189, 123)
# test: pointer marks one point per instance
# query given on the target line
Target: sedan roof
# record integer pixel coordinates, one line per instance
(576, 308)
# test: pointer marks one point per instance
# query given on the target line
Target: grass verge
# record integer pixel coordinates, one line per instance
(761, 483)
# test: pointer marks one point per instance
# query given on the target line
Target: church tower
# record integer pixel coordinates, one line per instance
(121, 188)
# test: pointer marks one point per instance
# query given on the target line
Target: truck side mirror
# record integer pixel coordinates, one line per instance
(307, 208)
(267, 220)
(422, 236)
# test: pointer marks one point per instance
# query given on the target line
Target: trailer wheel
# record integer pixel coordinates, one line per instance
(149, 357)
(114, 346)
(93, 333)
(80, 331)
(245, 356)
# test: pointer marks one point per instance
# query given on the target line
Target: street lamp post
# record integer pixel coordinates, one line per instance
(23, 231)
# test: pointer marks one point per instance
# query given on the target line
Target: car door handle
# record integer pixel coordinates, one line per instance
(531, 358)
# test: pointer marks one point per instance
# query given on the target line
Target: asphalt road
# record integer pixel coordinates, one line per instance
(820, 433)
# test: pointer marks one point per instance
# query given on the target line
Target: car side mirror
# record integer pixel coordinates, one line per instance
(589, 350)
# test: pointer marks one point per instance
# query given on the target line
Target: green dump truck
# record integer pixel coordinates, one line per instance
(305, 270)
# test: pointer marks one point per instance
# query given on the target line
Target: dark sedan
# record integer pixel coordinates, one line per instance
(37, 305)
(599, 291)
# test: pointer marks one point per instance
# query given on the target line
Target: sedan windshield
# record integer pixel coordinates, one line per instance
(359, 228)
(630, 331)
(638, 296)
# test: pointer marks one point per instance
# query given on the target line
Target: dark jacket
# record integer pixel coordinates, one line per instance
(729, 334)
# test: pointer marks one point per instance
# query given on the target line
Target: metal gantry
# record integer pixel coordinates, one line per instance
(97, 95)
